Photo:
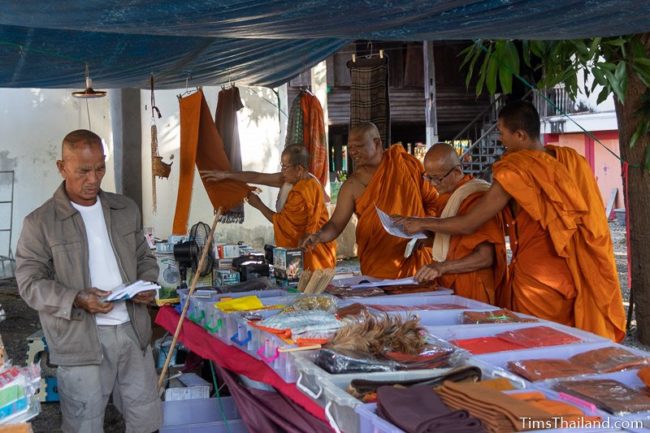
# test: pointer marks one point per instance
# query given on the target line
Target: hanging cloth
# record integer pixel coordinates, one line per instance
(369, 95)
(314, 137)
(295, 134)
(228, 104)
(202, 145)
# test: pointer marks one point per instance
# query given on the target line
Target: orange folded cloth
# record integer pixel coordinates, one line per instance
(202, 145)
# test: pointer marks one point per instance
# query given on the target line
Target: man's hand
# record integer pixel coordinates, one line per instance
(310, 241)
(429, 273)
(214, 175)
(145, 297)
(254, 200)
(424, 243)
(89, 300)
(409, 225)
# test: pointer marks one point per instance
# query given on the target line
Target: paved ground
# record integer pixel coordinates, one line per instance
(21, 322)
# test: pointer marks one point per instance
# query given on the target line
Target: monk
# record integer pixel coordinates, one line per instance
(390, 180)
(475, 265)
(302, 213)
(563, 265)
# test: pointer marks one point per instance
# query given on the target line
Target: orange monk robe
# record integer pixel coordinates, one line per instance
(305, 212)
(396, 188)
(563, 265)
(484, 284)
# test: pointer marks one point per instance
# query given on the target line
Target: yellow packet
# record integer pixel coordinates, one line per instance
(245, 303)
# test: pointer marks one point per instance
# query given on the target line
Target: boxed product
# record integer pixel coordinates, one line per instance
(223, 263)
(225, 251)
(203, 281)
(169, 278)
(287, 264)
(226, 277)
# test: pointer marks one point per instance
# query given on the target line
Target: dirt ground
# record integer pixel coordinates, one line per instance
(21, 322)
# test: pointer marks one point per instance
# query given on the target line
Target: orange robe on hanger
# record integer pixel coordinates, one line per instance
(563, 266)
(484, 284)
(397, 188)
(305, 212)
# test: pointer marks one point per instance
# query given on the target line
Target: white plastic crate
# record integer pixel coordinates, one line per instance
(498, 362)
(202, 416)
(370, 422)
(476, 331)
(420, 299)
(330, 390)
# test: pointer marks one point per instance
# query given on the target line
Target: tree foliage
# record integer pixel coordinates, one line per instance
(609, 60)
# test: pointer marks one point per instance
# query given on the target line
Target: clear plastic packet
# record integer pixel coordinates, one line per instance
(322, 302)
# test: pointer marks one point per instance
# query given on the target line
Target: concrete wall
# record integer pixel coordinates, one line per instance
(33, 123)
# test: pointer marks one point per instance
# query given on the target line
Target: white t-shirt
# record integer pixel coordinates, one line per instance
(104, 270)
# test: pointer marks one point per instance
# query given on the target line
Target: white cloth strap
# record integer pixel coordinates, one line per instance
(441, 242)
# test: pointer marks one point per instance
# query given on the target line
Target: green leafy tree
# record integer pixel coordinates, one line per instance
(619, 66)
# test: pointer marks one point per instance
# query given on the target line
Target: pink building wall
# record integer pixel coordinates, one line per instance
(606, 167)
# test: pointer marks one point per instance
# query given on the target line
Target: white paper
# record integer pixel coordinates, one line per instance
(128, 291)
(382, 283)
(395, 230)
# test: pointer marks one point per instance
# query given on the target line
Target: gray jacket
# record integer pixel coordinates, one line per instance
(52, 267)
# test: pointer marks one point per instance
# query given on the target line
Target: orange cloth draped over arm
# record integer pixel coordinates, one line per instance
(561, 195)
(305, 212)
(484, 284)
(396, 188)
(202, 145)
(314, 137)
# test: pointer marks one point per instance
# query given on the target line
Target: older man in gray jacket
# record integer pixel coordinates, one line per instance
(72, 251)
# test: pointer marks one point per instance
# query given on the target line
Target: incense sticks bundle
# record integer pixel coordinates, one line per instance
(314, 283)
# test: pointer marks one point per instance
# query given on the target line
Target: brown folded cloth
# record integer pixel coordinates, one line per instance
(350, 310)
(542, 369)
(496, 316)
(609, 359)
(609, 395)
(497, 411)
(420, 410)
(538, 336)
(558, 409)
(366, 390)
(347, 292)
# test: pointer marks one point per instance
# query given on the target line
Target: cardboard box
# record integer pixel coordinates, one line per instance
(223, 264)
(205, 281)
(169, 278)
(287, 263)
(226, 277)
(225, 251)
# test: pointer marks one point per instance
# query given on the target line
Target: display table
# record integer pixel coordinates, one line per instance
(205, 345)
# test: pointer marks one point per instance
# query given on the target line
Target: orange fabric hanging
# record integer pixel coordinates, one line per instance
(484, 284)
(305, 212)
(574, 258)
(202, 145)
(396, 188)
(314, 137)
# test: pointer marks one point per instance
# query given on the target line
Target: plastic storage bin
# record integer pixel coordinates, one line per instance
(202, 416)
(475, 331)
(330, 390)
(497, 363)
(421, 299)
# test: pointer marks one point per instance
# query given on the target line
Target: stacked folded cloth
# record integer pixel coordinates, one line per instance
(420, 410)
(536, 336)
(500, 412)
(609, 395)
(602, 360)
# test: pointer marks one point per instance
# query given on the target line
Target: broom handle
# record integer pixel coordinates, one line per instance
(195, 278)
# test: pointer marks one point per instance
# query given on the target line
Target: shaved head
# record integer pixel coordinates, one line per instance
(442, 167)
(443, 155)
(366, 128)
(78, 139)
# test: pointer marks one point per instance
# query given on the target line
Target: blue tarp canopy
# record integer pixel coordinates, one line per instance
(46, 43)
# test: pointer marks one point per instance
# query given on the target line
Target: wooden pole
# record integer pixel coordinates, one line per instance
(195, 279)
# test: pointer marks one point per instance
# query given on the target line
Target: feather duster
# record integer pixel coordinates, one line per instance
(377, 335)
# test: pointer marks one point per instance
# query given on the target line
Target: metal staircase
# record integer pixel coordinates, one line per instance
(478, 143)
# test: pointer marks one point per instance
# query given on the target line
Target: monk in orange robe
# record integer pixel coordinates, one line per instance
(390, 180)
(304, 211)
(474, 265)
(563, 265)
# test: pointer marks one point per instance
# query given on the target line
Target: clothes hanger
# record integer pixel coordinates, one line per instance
(188, 91)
